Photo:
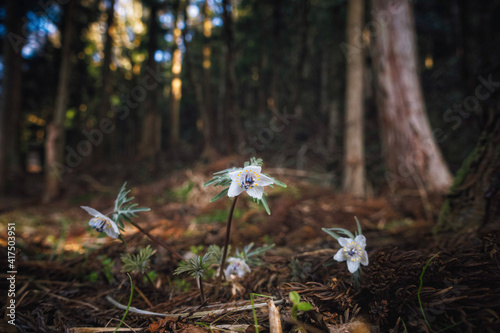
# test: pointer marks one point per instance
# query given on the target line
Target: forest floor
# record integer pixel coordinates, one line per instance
(415, 281)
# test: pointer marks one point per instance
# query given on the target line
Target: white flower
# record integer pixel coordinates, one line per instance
(236, 268)
(101, 222)
(353, 250)
(248, 179)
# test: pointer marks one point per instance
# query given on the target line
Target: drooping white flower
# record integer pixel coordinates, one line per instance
(101, 222)
(352, 251)
(236, 268)
(248, 179)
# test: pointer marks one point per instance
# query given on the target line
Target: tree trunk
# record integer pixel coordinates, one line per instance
(273, 101)
(300, 65)
(176, 88)
(232, 127)
(209, 116)
(354, 155)
(10, 105)
(413, 159)
(474, 198)
(55, 139)
(150, 144)
(201, 91)
(106, 83)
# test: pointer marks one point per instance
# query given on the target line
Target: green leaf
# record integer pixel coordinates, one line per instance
(294, 297)
(279, 183)
(228, 170)
(331, 233)
(360, 232)
(266, 206)
(223, 193)
(124, 209)
(304, 306)
(339, 230)
(210, 182)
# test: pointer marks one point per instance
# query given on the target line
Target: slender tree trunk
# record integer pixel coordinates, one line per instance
(335, 90)
(413, 159)
(324, 93)
(208, 117)
(106, 83)
(176, 88)
(201, 91)
(150, 144)
(232, 126)
(55, 139)
(354, 154)
(276, 56)
(11, 101)
(300, 65)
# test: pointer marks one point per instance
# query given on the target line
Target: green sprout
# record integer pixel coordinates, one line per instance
(297, 304)
(251, 257)
(196, 267)
(139, 263)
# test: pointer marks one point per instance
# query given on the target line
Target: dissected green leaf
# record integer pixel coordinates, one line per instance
(222, 194)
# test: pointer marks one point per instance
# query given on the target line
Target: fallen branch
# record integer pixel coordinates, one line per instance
(200, 314)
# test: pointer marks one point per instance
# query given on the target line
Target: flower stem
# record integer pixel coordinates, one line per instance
(226, 245)
(200, 286)
(158, 241)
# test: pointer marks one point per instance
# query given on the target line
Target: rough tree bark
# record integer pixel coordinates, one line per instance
(413, 159)
(11, 100)
(55, 139)
(474, 198)
(354, 155)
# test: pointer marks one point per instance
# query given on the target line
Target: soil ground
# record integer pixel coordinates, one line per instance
(415, 281)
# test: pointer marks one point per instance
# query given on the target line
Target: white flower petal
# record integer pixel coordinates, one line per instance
(114, 226)
(344, 241)
(364, 258)
(339, 256)
(352, 266)
(264, 180)
(236, 268)
(112, 232)
(253, 168)
(360, 240)
(256, 192)
(232, 175)
(234, 190)
(92, 211)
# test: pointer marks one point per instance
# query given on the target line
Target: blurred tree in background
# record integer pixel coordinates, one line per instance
(88, 83)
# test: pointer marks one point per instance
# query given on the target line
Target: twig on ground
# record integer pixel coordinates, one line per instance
(200, 314)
